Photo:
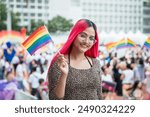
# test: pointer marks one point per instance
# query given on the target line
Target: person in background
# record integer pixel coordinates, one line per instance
(147, 83)
(116, 76)
(34, 81)
(147, 62)
(127, 78)
(39, 66)
(32, 64)
(106, 76)
(9, 52)
(141, 69)
(21, 72)
(42, 90)
(74, 73)
(108, 85)
(2, 65)
(8, 87)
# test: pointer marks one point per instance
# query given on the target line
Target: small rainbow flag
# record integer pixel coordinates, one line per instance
(37, 39)
(130, 43)
(147, 43)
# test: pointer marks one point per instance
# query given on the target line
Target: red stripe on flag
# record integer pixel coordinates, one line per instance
(40, 29)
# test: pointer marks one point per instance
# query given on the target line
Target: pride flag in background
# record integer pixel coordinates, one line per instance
(110, 45)
(121, 44)
(37, 39)
(147, 43)
(125, 43)
(13, 36)
(130, 43)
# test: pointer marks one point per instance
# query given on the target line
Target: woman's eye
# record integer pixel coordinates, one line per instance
(92, 39)
(83, 36)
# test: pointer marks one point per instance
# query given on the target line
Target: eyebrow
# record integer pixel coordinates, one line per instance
(87, 34)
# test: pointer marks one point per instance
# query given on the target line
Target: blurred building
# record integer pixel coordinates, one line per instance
(70, 9)
(29, 9)
(109, 15)
(146, 17)
(114, 15)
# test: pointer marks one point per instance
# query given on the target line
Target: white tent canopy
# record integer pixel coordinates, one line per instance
(137, 37)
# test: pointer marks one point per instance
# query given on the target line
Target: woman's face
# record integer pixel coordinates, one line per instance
(85, 40)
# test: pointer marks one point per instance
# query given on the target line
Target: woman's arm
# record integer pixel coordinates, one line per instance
(99, 90)
(59, 90)
(57, 83)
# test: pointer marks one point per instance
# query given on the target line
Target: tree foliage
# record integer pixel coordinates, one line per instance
(149, 2)
(3, 18)
(15, 21)
(35, 25)
(55, 25)
(59, 24)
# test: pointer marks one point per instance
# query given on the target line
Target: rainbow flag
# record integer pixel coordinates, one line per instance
(125, 43)
(13, 36)
(121, 44)
(147, 43)
(37, 39)
(130, 43)
(110, 45)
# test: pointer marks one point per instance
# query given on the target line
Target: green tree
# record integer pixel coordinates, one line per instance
(3, 16)
(35, 25)
(59, 24)
(15, 21)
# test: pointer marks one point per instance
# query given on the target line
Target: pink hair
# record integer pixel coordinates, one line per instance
(79, 27)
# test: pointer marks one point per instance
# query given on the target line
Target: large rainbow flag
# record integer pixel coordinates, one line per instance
(37, 39)
(147, 43)
(13, 36)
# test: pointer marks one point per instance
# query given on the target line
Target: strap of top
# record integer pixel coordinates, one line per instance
(89, 61)
(69, 58)
(85, 57)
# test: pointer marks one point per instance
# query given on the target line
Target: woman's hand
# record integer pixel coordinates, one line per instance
(62, 64)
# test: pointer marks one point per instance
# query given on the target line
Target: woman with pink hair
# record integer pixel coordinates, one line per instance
(74, 73)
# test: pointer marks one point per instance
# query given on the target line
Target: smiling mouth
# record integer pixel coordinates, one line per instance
(84, 46)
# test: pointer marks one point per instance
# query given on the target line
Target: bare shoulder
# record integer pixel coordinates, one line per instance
(92, 59)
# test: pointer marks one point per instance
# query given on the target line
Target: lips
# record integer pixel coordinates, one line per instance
(84, 45)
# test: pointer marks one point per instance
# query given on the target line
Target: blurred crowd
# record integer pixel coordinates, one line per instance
(21, 71)
(126, 77)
